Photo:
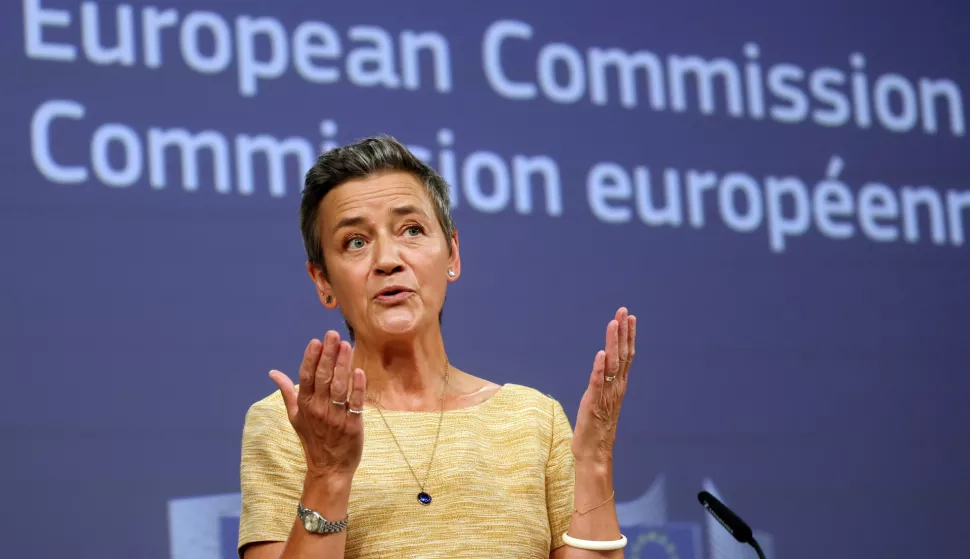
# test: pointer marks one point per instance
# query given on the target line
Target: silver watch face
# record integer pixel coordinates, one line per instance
(312, 522)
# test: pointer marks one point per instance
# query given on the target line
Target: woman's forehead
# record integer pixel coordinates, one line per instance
(376, 196)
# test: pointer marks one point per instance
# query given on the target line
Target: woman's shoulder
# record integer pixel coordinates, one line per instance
(473, 392)
(519, 400)
(525, 395)
(271, 401)
(268, 412)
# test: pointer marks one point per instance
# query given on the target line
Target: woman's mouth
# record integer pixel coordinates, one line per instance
(393, 294)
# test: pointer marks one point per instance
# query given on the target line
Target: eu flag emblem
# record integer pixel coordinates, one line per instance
(674, 540)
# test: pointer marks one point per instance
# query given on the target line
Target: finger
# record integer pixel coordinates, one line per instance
(324, 371)
(352, 372)
(623, 338)
(340, 384)
(311, 356)
(288, 391)
(612, 348)
(599, 370)
(356, 400)
(633, 337)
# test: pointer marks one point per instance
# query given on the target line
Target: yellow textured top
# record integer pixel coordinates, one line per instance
(501, 480)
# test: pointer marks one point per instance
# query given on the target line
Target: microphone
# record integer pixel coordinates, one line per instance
(730, 521)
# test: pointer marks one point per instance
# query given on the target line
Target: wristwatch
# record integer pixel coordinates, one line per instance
(317, 524)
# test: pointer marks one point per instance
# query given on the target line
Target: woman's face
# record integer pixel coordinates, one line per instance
(386, 255)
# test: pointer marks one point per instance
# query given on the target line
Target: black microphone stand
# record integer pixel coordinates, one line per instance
(754, 543)
(731, 522)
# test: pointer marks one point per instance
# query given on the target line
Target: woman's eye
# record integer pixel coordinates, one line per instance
(355, 243)
(414, 231)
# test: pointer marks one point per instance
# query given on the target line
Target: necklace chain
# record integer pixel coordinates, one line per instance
(441, 416)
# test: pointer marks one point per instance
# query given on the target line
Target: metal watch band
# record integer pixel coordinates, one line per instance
(314, 523)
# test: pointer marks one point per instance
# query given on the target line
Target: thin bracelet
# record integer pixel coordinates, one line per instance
(597, 506)
(595, 545)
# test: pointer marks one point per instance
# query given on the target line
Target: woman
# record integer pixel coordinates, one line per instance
(385, 449)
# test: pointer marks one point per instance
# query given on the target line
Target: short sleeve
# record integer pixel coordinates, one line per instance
(560, 475)
(271, 473)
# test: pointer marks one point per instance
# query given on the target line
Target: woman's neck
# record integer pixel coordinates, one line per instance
(405, 376)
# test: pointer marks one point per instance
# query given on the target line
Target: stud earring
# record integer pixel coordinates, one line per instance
(451, 273)
(329, 298)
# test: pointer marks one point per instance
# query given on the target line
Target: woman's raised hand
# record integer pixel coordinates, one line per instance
(599, 409)
(332, 436)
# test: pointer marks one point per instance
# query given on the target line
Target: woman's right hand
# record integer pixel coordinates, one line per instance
(332, 437)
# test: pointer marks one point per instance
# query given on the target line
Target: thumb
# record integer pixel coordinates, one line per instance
(288, 390)
(596, 378)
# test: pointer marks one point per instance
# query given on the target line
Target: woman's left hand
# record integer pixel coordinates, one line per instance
(599, 410)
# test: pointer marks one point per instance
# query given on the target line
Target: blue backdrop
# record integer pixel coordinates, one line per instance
(781, 194)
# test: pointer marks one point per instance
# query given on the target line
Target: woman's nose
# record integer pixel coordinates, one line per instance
(387, 258)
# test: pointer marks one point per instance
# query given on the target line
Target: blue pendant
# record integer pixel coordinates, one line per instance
(424, 498)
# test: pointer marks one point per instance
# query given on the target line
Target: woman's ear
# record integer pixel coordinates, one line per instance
(454, 261)
(324, 289)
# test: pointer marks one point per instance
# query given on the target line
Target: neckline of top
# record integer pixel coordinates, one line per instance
(474, 407)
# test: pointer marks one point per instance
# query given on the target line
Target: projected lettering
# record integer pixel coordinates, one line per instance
(314, 49)
(371, 56)
(783, 92)
(745, 203)
(258, 50)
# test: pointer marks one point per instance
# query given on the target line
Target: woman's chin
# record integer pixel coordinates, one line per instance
(398, 326)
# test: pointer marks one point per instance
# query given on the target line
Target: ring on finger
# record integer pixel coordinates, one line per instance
(611, 379)
(338, 403)
(352, 410)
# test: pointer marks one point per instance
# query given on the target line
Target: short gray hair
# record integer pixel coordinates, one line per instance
(362, 159)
